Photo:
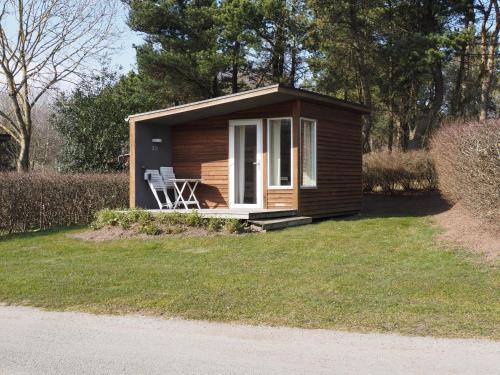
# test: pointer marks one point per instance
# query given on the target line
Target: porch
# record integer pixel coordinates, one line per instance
(259, 219)
(234, 213)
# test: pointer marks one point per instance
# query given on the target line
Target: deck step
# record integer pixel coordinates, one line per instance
(271, 214)
(279, 223)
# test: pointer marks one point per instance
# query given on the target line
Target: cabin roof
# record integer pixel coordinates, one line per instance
(241, 101)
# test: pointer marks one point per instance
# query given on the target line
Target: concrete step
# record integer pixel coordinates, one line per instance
(279, 223)
(271, 214)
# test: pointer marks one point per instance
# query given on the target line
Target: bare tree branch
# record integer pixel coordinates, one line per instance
(52, 41)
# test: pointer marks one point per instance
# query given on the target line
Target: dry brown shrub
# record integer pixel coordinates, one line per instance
(30, 201)
(467, 158)
(398, 171)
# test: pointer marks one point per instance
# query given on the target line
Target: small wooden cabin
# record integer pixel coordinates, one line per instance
(274, 147)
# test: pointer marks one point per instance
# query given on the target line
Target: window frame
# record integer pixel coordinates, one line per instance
(315, 154)
(268, 136)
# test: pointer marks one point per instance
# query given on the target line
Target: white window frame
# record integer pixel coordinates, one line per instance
(268, 136)
(315, 153)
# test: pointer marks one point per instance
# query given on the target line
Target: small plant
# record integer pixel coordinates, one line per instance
(215, 224)
(104, 218)
(235, 226)
(195, 220)
(173, 218)
(175, 229)
(152, 228)
(139, 216)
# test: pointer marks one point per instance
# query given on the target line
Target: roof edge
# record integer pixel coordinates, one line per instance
(206, 102)
(300, 93)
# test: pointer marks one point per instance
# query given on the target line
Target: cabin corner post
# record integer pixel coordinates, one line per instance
(296, 112)
(132, 165)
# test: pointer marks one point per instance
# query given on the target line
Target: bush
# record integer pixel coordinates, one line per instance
(235, 226)
(467, 158)
(164, 222)
(152, 228)
(31, 201)
(398, 171)
(124, 219)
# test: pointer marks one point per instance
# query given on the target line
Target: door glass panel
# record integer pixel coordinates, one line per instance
(245, 164)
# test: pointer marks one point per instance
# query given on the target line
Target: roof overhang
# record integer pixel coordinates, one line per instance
(238, 102)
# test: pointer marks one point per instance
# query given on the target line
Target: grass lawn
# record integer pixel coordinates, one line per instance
(368, 274)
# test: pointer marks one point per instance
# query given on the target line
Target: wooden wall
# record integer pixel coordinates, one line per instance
(201, 150)
(339, 163)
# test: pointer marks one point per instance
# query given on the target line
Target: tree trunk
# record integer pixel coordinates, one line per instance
(428, 120)
(489, 46)
(390, 138)
(362, 72)
(457, 97)
(235, 67)
(23, 159)
(293, 66)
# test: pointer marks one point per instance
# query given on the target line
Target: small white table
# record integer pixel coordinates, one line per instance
(180, 185)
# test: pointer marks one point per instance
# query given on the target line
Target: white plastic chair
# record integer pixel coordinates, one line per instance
(157, 184)
(167, 173)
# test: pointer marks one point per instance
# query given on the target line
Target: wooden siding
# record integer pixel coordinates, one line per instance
(201, 150)
(281, 198)
(339, 163)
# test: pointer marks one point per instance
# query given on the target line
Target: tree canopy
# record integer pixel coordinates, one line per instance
(416, 63)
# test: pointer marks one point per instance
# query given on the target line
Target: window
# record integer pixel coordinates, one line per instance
(279, 146)
(308, 152)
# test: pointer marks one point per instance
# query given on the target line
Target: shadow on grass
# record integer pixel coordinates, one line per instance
(39, 233)
(407, 205)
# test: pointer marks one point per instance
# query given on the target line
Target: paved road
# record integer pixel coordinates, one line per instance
(37, 342)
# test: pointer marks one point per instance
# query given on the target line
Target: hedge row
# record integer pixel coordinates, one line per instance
(467, 158)
(30, 201)
(398, 171)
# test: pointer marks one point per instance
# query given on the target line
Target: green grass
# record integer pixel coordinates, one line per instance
(370, 274)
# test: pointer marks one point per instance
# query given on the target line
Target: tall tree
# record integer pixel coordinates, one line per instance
(236, 20)
(347, 49)
(42, 43)
(489, 30)
(182, 51)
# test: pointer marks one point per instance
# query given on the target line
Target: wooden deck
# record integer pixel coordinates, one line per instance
(236, 213)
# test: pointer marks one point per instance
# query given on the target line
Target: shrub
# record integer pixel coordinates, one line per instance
(31, 201)
(398, 171)
(467, 158)
(235, 226)
(171, 218)
(123, 218)
(164, 222)
(194, 219)
(215, 224)
(151, 228)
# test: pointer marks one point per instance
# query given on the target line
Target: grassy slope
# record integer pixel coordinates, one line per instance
(377, 274)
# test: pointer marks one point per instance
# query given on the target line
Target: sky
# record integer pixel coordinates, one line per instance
(124, 55)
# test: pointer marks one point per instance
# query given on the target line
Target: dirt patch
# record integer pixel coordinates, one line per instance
(111, 233)
(462, 228)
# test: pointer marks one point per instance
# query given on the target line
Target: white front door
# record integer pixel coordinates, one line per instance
(245, 163)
